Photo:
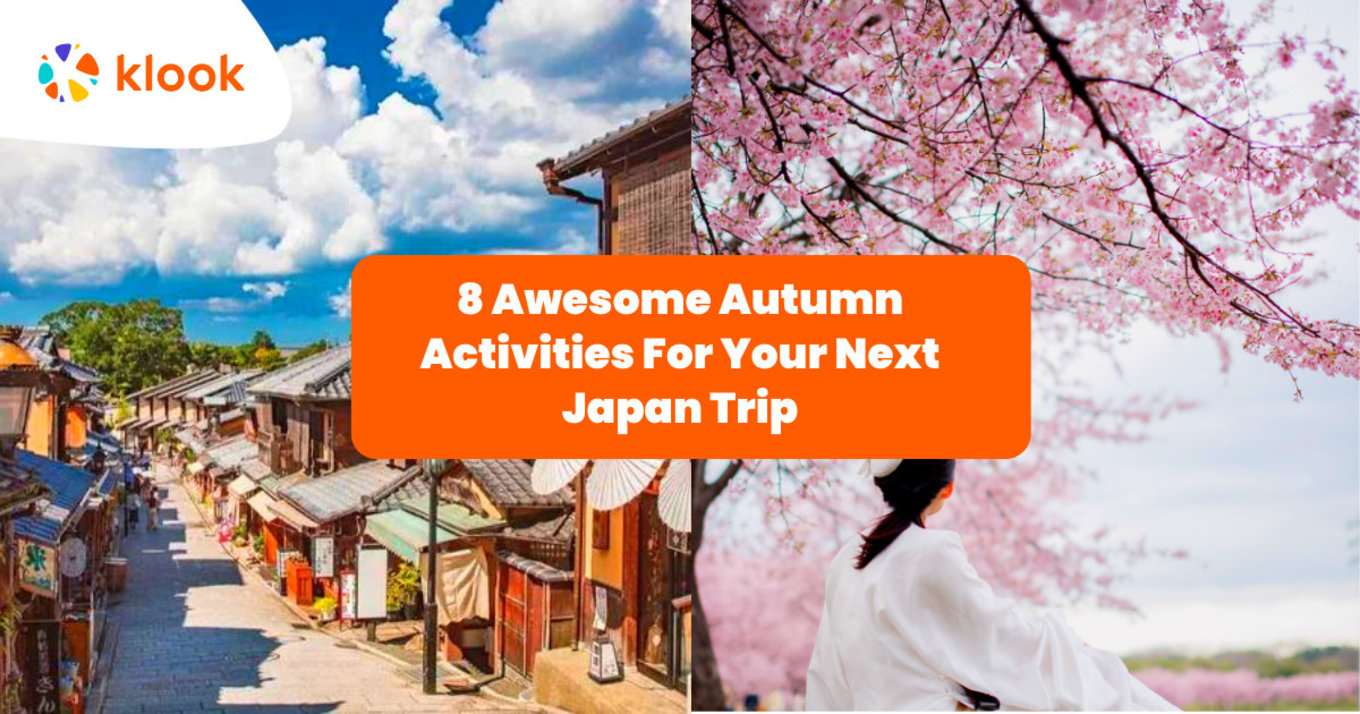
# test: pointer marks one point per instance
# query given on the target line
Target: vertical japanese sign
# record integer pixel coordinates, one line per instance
(349, 595)
(41, 650)
(38, 568)
(323, 557)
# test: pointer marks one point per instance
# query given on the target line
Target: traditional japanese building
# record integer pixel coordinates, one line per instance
(160, 409)
(58, 417)
(54, 611)
(20, 493)
(644, 166)
(302, 415)
(633, 571)
(511, 550)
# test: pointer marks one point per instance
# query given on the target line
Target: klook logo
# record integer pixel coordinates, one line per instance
(171, 77)
(71, 74)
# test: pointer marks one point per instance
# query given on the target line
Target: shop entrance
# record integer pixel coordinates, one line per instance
(663, 578)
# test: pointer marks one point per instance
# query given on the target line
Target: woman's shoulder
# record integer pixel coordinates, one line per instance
(928, 544)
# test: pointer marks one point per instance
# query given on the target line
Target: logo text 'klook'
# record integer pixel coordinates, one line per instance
(171, 77)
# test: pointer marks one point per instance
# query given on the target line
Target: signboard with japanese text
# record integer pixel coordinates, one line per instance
(38, 568)
(42, 691)
(349, 595)
(323, 557)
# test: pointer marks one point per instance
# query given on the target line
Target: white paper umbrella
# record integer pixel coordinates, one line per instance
(549, 475)
(674, 500)
(614, 482)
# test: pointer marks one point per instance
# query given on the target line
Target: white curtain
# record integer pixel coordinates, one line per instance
(463, 585)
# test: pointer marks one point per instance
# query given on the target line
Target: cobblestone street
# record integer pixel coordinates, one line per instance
(195, 634)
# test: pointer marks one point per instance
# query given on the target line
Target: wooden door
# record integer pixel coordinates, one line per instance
(514, 619)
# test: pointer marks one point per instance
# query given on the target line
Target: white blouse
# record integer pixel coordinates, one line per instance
(906, 631)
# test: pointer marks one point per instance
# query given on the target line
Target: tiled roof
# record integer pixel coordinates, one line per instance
(18, 487)
(256, 469)
(273, 483)
(588, 157)
(197, 380)
(540, 571)
(107, 442)
(229, 453)
(41, 345)
(324, 375)
(234, 394)
(336, 495)
(455, 517)
(222, 383)
(560, 528)
(69, 486)
(173, 384)
(506, 482)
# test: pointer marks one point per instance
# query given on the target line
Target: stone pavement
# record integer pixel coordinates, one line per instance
(195, 635)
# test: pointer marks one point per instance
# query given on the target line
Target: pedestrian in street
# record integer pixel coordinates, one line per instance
(153, 502)
(134, 507)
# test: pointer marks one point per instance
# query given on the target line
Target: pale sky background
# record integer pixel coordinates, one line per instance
(1262, 490)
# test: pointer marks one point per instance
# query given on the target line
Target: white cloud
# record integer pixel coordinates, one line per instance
(262, 294)
(531, 34)
(673, 19)
(338, 181)
(340, 301)
(268, 291)
(422, 170)
(497, 102)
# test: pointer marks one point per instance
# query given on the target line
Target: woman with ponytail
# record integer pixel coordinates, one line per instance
(908, 625)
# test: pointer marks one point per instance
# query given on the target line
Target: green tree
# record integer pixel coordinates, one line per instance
(260, 352)
(314, 348)
(122, 412)
(210, 355)
(134, 344)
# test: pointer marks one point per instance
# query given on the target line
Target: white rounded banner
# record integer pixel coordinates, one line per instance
(162, 74)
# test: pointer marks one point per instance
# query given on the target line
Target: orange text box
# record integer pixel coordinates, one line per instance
(941, 370)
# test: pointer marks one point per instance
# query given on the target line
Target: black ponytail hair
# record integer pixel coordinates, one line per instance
(908, 489)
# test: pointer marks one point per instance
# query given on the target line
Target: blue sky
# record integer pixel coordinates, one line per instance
(416, 127)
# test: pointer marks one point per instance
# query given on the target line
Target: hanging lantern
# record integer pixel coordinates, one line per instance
(614, 482)
(674, 501)
(549, 475)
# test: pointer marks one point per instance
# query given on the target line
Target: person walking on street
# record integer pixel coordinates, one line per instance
(153, 507)
(134, 507)
(153, 502)
(149, 498)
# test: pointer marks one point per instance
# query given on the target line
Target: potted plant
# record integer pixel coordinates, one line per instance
(326, 608)
(403, 586)
(239, 537)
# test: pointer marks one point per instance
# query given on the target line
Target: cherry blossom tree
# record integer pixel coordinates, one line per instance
(1130, 152)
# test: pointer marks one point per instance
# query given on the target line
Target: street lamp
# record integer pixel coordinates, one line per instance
(433, 468)
(18, 377)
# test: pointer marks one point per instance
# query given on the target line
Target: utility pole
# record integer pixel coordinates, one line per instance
(433, 468)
